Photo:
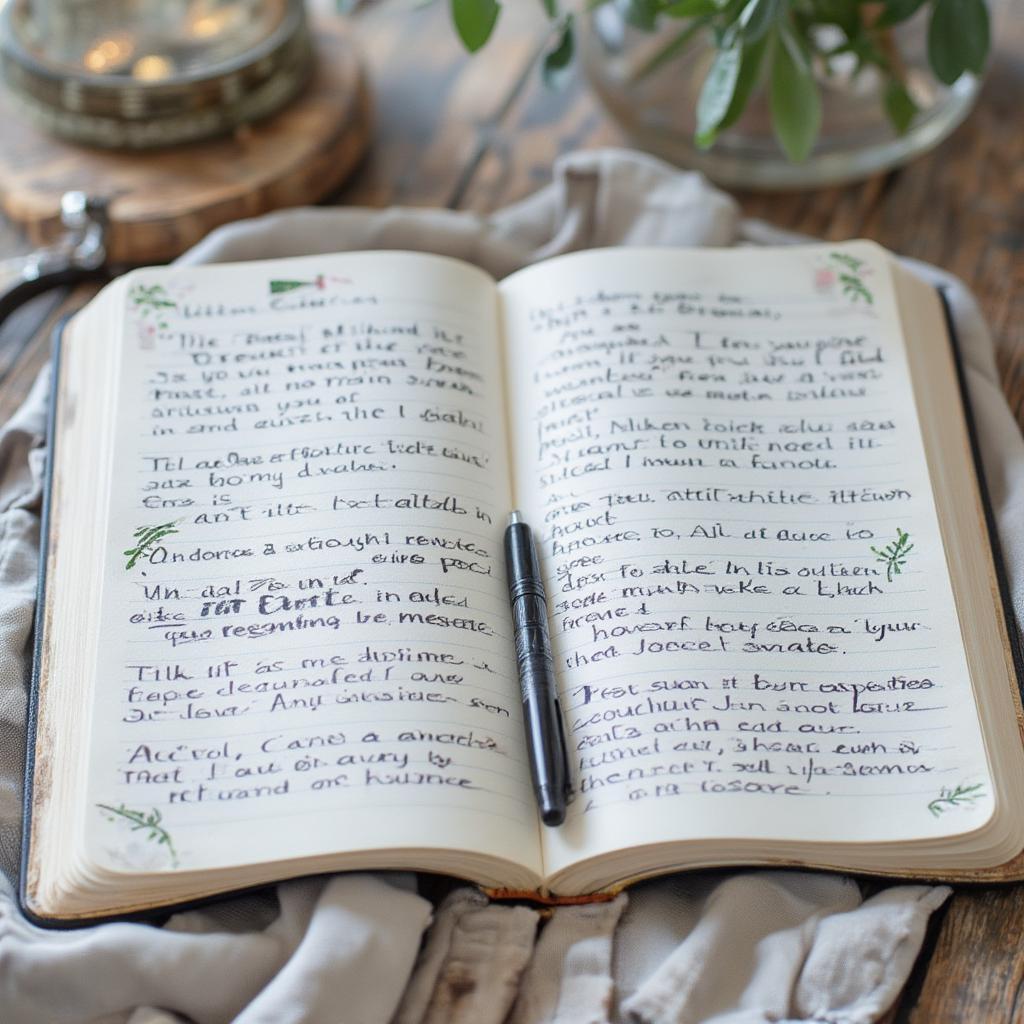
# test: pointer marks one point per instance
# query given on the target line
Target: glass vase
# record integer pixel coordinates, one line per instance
(656, 108)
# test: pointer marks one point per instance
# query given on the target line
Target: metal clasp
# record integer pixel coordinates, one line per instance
(78, 255)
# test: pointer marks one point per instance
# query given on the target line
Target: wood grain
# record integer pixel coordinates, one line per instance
(435, 107)
(975, 972)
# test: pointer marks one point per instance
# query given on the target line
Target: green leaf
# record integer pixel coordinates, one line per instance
(474, 21)
(866, 52)
(691, 8)
(958, 37)
(750, 74)
(557, 61)
(758, 16)
(717, 92)
(899, 106)
(795, 102)
(725, 24)
(642, 14)
(897, 11)
(838, 12)
(550, 7)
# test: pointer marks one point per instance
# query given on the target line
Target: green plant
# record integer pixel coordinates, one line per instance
(788, 45)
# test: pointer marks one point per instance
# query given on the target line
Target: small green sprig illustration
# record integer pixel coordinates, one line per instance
(146, 537)
(850, 271)
(151, 301)
(141, 820)
(894, 554)
(955, 797)
(279, 286)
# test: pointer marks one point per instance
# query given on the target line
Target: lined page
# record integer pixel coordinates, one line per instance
(751, 610)
(305, 645)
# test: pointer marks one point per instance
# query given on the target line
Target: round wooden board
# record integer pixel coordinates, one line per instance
(163, 201)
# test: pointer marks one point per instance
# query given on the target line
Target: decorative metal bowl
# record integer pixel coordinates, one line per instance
(144, 73)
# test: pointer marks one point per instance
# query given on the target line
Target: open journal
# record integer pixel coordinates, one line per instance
(275, 638)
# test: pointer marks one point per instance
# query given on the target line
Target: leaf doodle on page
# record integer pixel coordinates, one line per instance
(894, 554)
(851, 277)
(849, 273)
(150, 822)
(956, 796)
(151, 300)
(146, 538)
(150, 304)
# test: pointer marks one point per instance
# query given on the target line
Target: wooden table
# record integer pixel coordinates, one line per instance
(477, 134)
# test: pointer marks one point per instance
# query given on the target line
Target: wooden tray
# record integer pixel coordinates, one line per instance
(163, 201)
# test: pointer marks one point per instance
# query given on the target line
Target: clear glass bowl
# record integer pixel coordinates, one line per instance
(657, 109)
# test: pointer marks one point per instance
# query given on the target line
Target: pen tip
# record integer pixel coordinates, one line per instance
(552, 810)
(515, 517)
(552, 816)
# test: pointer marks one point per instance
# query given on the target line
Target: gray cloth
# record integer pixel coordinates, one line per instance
(708, 948)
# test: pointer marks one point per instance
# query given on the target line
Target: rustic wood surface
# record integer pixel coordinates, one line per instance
(476, 134)
(163, 201)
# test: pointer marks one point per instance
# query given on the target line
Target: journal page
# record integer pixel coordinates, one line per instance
(752, 616)
(304, 645)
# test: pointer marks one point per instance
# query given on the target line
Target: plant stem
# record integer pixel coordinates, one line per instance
(885, 41)
(674, 46)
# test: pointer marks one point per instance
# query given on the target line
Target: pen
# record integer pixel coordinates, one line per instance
(542, 715)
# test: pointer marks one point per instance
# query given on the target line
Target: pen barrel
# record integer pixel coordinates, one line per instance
(542, 719)
(524, 572)
(530, 624)
(548, 766)
(533, 645)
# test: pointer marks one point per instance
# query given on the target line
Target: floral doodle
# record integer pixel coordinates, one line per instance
(848, 272)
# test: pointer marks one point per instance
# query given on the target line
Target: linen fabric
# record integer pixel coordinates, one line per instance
(747, 947)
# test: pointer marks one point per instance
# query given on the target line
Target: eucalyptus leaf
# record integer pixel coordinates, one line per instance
(899, 106)
(758, 16)
(958, 38)
(750, 74)
(557, 61)
(729, 11)
(717, 92)
(795, 102)
(474, 21)
(642, 14)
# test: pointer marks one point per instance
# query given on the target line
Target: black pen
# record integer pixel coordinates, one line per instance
(542, 715)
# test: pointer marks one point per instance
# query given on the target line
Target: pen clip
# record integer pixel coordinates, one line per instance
(564, 747)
